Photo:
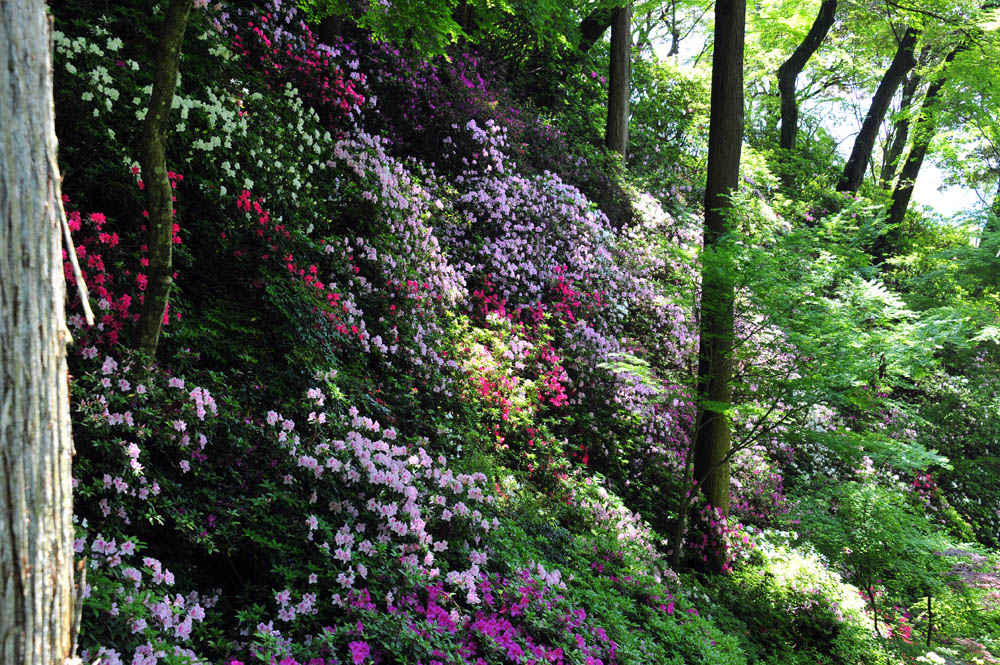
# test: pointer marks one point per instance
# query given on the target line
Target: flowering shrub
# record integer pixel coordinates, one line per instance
(512, 379)
(515, 611)
(717, 539)
(132, 604)
(116, 308)
(276, 43)
(368, 503)
(756, 488)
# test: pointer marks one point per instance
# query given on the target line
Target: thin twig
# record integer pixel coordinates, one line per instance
(78, 605)
(70, 248)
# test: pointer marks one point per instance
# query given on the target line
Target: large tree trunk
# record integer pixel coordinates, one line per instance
(159, 195)
(790, 70)
(725, 138)
(619, 81)
(36, 533)
(923, 131)
(857, 163)
(900, 132)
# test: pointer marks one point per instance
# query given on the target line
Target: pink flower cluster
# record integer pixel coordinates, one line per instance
(398, 496)
(277, 43)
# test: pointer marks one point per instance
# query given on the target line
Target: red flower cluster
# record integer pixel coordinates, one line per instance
(285, 51)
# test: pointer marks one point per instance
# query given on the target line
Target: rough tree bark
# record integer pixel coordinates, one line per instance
(923, 131)
(36, 534)
(791, 68)
(725, 138)
(159, 195)
(619, 81)
(857, 163)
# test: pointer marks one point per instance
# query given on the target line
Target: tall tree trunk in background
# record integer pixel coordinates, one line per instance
(900, 132)
(989, 238)
(36, 533)
(901, 128)
(463, 15)
(159, 195)
(725, 138)
(330, 27)
(992, 224)
(675, 32)
(790, 70)
(619, 81)
(857, 163)
(923, 131)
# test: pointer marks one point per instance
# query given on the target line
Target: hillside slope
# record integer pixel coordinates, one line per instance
(419, 400)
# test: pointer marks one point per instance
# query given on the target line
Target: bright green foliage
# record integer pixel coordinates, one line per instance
(790, 608)
(669, 124)
(967, 141)
(432, 27)
(877, 535)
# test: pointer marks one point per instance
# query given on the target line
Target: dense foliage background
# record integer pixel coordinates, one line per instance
(426, 392)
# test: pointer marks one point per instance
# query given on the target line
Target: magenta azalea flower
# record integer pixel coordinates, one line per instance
(359, 652)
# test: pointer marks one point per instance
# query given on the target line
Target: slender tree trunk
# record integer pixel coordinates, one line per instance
(619, 81)
(992, 224)
(874, 606)
(36, 533)
(159, 195)
(790, 70)
(930, 621)
(857, 163)
(675, 32)
(725, 138)
(900, 132)
(923, 131)
(901, 129)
